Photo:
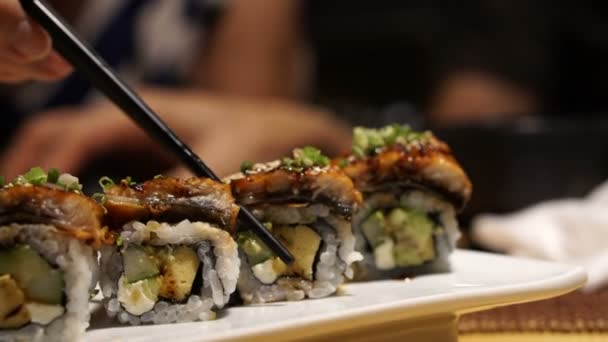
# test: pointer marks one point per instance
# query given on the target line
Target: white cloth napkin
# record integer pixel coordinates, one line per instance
(573, 231)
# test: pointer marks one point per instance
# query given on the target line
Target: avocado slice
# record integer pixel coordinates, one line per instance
(412, 231)
(140, 296)
(38, 279)
(46, 288)
(374, 228)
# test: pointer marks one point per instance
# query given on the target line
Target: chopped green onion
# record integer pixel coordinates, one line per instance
(305, 157)
(246, 166)
(129, 181)
(359, 137)
(69, 182)
(315, 156)
(1, 181)
(288, 162)
(19, 180)
(342, 163)
(367, 141)
(390, 133)
(53, 176)
(159, 176)
(119, 241)
(375, 140)
(73, 187)
(106, 183)
(302, 157)
(36, 176)
(358, 151)
(99, 197)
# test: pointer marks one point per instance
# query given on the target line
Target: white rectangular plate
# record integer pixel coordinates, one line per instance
(477, 281)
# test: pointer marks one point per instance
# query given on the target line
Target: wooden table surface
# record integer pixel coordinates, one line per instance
(576, 316)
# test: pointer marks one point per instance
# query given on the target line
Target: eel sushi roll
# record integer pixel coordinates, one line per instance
(412, 188)
(174, 259)
(307, 205)
(49, 234)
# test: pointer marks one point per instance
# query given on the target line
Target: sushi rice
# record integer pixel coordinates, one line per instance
(216, 251)
(337, 254)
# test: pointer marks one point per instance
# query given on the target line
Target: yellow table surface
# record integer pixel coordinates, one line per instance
(533, 337)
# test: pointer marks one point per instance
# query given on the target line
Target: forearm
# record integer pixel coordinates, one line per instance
(255, 50)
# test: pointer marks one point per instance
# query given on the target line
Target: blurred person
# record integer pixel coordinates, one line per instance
(158, 47)
(460, 62)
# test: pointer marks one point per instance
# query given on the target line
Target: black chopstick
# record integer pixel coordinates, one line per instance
(93, 67)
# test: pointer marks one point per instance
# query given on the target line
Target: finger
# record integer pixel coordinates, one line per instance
(83, 137)
(30, 41)
(180, 172)
(70, 154)
(68, 138)
(20, 35)
(92, 134)
(224, 153)
(24, 42)
(12, 77)
(50, 69)
(210, 150)
(11, 14)
(29, 144)
(51, 140)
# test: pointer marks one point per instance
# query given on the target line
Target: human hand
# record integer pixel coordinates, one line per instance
(262, 130)
(474, 97)
(223, 131)
(26, 49)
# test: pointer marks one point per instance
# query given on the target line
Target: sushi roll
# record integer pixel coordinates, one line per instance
(307, 205)
(174, 259)
(49, 234)
(413, 188)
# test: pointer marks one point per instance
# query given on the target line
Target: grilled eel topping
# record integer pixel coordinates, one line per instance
(396, 155)
(307, 177)
(168, 199)
(70, 212)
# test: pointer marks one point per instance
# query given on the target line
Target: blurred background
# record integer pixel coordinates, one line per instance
(518, 89)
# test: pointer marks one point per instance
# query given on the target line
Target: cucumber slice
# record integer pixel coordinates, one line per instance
(374, 229)
(138, 264)
(38, 279)
(46, 288)
(254, 248)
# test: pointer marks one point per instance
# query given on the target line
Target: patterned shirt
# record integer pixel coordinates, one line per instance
(146, 41)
